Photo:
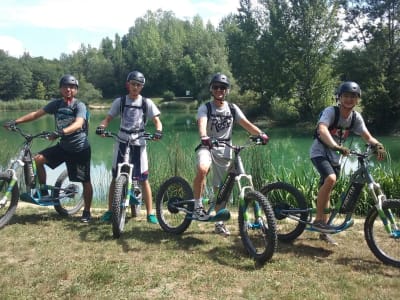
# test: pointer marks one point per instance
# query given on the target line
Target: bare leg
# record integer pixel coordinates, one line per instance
(40, 161)
(323, 199)
(147, 196)
(111, 194)
(87, 195)
(200, 181)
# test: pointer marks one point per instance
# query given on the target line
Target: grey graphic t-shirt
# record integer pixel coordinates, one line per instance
(327, 117)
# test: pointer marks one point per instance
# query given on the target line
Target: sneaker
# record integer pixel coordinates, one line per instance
(327, 238)
(86, 216)
(106, 217)
(200, 214)
(322, 227)
(152, 219)
(221, 229)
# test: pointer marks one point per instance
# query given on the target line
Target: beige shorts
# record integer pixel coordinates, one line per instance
(217, 159)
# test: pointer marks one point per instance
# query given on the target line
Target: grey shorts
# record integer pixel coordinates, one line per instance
(325, 168)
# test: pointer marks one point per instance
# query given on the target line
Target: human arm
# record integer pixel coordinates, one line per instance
(254, 130)
(158, 126)
(30, 116)
(103, 125)
(327, 139)
(379, 149)
(202, 128)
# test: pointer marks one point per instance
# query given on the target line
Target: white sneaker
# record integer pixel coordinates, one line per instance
(328, 239)
(221, 229)
(200, 214)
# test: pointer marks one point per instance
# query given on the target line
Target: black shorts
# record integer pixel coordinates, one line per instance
(325, 168)
(78, 163)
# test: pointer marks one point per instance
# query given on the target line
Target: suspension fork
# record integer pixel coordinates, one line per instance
(387, 218)
(13, 182)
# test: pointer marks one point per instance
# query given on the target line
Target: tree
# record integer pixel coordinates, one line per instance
(376, 27)
(15, 79)
(40, 91)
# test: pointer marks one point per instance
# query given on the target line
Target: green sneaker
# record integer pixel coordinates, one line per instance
(152, 219)
(106, 217)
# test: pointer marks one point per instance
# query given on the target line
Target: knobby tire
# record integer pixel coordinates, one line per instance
(118, 207)
(8, 210)
(283, 196)
(170, 193)
(260, 242)
(382, 245)
(70, 195)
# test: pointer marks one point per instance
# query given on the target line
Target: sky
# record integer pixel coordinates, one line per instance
(49, 28)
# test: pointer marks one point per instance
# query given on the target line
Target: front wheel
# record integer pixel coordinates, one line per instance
(290, 209)
(68, 195)
(118, 207)
(173, 202)
(257, 227)
(384, 245)
(7, 209)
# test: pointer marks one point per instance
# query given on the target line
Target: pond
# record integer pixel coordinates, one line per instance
(174, 154)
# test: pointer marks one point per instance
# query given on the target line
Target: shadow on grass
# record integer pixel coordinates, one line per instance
(302, 249)
(35, 217)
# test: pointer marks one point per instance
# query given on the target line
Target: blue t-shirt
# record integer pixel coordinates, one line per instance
(65, 115)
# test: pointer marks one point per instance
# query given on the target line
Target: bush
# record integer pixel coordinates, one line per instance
(168, 96)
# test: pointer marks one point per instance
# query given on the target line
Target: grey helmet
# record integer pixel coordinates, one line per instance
(69, 80)
(136, 76)
(349, 86)
(220, 78)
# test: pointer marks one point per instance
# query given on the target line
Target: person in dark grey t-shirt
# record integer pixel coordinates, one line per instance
(70, 116)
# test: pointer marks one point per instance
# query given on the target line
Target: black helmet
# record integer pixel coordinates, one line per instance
(136, 76)
(220, 78)
(349, 86)
(69, 80)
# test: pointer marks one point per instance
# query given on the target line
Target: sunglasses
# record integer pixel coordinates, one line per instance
(135, 84)
(219, 87)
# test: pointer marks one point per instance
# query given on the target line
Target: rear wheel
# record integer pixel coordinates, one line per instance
(8, 208)
(68, 195)
(290, 209)
(257, 227)
(173, 202)
(118, 207)
(385, 246)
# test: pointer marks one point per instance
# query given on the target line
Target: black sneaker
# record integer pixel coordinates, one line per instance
(200, 214)
(86, 216)
(324, 228)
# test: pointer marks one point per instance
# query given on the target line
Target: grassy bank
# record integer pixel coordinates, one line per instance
(47, 257)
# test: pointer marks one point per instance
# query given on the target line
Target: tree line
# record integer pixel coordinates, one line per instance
(284, 57)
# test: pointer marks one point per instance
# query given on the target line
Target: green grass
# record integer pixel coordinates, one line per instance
(45, 256)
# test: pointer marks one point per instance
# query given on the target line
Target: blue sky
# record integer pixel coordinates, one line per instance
(49, 28)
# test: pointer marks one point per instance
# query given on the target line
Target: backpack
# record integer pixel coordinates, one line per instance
(334, 125)
(144, 107)
(231, 107)
(74, 108)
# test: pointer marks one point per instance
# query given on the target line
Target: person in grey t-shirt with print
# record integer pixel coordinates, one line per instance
(327, 148)
(217, 124)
